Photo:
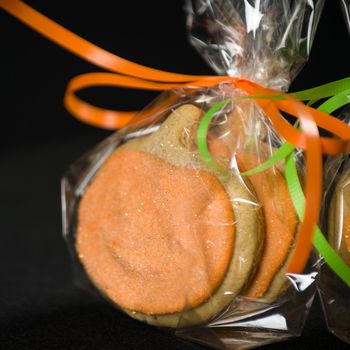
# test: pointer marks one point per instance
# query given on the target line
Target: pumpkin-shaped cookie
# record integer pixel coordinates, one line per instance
(164, 237)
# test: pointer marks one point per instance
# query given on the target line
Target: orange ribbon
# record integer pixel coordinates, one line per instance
(127, 74)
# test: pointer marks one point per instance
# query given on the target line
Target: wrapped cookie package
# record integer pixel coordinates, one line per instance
(161, 218)
(334, 292)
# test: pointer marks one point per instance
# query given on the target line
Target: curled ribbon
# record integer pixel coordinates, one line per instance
(127, 74)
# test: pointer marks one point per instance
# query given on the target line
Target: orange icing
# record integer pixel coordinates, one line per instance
(280, 220)
(280, 217)
(155, 238)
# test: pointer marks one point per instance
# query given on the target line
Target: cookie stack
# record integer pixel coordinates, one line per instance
(171, 241)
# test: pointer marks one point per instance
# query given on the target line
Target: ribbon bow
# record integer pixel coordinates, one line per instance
(127, 74)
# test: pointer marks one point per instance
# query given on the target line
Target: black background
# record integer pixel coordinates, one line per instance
(39, 307)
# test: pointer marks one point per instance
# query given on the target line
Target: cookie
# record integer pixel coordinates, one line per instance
(280, 216)
(339, 217)
(281, 227)
(164, 237)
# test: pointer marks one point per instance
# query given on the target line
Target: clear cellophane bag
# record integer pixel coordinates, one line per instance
(159, 218)
(334, 292)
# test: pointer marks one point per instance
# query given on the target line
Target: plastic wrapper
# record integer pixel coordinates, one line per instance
(159, 218)
(334, 292)
(346, 11)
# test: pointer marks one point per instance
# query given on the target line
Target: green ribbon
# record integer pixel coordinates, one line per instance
(334, 261)
(338, 94)
(335, 102)
(202, 135)
(327, 90)
(279, 155)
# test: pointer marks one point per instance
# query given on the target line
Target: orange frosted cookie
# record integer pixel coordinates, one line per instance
(160, 238)
(163, 236)
(280, 219)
